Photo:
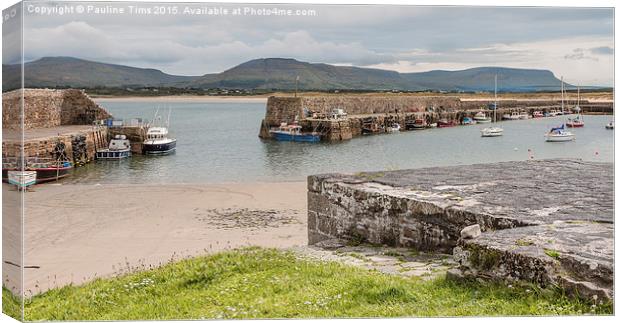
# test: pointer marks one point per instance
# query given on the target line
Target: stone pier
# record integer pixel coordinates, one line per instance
(375, 113)
(548, 222)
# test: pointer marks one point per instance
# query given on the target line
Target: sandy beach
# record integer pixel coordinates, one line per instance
(74, 233)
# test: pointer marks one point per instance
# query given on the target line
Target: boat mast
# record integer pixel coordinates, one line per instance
(495, 104)
(562, 90)
(168, 121)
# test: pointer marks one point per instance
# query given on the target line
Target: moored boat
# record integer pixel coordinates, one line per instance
(293, 133)
(418, 124)
(481, 117)
(468, 121)
(445, 123)
(523, 115)
(157, 142)
(558, 134)
(493, 131)
(118, 148)
(393, 128)
(537, 114)
(47, 169)
(610, 125)
(577, 121)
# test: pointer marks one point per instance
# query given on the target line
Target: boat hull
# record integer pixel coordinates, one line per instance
(296, 138)
(564, 138)
(159, 148)
(43, 174)
(575, 125)
(113, 154)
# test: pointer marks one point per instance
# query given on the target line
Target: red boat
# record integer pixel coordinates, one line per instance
(444, 123)
(47, 169)
(576, 122)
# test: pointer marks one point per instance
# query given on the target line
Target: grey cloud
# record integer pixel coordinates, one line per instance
(603, 50)
(579, 54)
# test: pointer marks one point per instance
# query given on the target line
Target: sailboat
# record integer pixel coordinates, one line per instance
(576, 122)
(493, 131)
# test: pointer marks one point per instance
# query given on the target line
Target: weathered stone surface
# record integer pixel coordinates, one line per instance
(536, 225)
(44, 108)
(471, 232)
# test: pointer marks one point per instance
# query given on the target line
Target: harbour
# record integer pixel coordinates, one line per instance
(206, 131)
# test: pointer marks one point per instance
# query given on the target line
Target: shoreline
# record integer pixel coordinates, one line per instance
(78, 232)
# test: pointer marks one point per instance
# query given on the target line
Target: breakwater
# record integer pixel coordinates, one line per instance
(374, 114)
(527, 229)
(52, 119)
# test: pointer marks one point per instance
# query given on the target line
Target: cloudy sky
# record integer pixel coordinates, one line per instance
(576, 43)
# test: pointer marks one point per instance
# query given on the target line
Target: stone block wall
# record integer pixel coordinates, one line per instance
(45, 108)
(44, 147)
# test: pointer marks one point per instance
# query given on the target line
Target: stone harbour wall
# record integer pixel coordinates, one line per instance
(88, 141)
(45, 108)
(509, 221)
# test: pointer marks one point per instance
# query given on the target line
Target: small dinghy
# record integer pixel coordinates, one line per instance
(558, 134)
(610, 125)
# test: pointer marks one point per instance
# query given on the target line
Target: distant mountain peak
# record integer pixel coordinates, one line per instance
(276, 73)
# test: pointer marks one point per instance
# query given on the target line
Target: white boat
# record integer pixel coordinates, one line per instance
(576, 122)
(558, 134)
(493, 131)
(514, 115)
(524, 115)
(395, 127)
(481, 117)
(119, 148)
(610, 125)
(157, 141)
(553, 113)
(22, 179)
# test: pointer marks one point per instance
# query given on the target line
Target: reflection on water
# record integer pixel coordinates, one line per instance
(218, 142)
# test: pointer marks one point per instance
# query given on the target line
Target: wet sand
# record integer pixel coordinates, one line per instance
(74, 233)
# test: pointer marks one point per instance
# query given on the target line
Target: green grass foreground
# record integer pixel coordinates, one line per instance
(267, 283)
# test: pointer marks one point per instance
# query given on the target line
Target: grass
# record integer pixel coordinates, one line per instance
(552, 253)
(11, 305)
(267, 283)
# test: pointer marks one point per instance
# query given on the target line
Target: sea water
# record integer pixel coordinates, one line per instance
(218, 142)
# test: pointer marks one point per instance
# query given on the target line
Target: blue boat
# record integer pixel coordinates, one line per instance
(293, 133)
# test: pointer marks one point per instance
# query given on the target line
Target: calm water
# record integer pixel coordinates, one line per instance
(218, 142)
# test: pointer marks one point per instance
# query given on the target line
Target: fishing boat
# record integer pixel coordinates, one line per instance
(118, 148)
(293, 132)
(468, 121)
(558, 134)
(610, 125)
(537, 114)
(514, 115)
(393, 128)
(481, 117)
(493, 131)
(418, 124)
(445, 123)
(47, 169)
(157, 141)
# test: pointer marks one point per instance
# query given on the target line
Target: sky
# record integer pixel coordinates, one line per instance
(576, 43)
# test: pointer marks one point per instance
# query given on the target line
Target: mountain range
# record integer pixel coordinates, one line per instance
(274, 74)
